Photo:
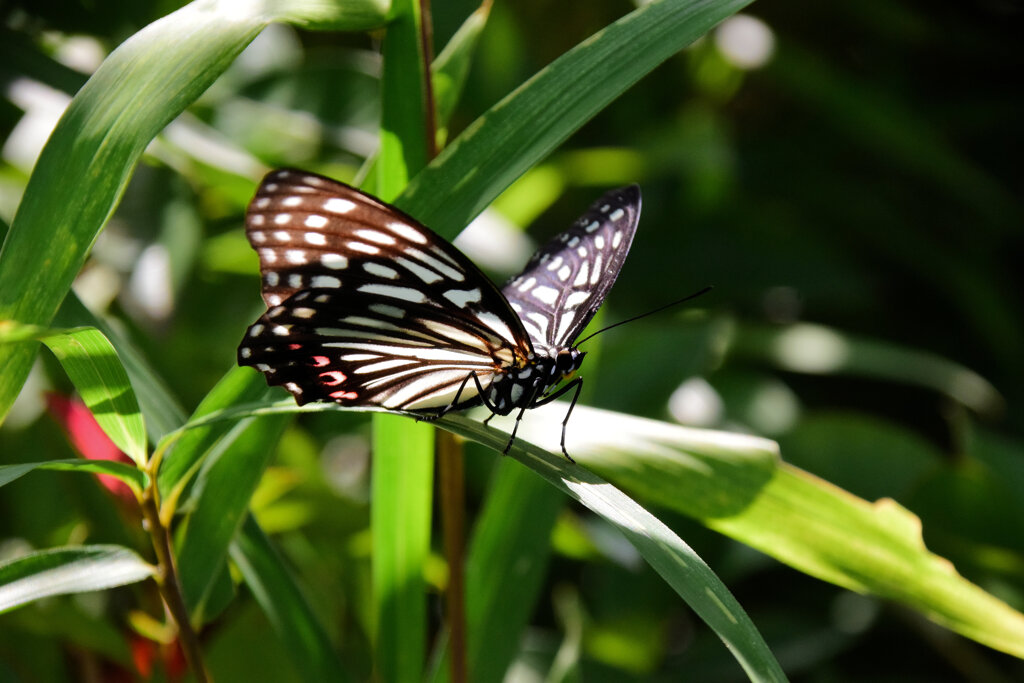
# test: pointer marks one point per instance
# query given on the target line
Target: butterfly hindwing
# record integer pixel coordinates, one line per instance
(566, 281)
(360, 348)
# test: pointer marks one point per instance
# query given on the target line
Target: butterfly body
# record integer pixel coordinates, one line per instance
(368, 307)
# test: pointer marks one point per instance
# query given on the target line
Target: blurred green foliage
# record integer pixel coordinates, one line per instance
(864, 178)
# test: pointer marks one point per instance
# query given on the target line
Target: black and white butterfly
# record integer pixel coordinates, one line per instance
(367, 307)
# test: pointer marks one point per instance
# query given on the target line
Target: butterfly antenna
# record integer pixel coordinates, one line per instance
(644, 315)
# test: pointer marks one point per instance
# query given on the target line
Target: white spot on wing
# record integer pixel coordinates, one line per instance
(403, 293)
(419, 271)
(593, 226)
(581, 277)
(408, 232)
(256, 330)
(564, 272)
(365, 248)
(291, 201)
(245, 352)
(544, 294)
(565, 323)
(282, 218)
(376, 236)
(617, 214)
(303, 312)
(527, 285)
(257, 219)
(295, 280)
(315, 238)
(296, 256)
(461, 297)
(380, 270)
(272, 278)
(257, 236)
(616, 239)
(315, 221)
(324, 281)
(554, 264)
(333, 261)
(576, 298)
(339, 205)
(282, 236)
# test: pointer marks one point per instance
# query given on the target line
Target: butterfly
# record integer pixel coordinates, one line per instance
(368, 307)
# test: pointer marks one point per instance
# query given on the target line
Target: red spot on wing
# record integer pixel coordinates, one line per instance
(319, 361)
(344, 395)
(295, 347)
(332, 378)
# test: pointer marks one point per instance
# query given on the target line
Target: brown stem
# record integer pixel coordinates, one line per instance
(427, 47)
(168, 584)
(452, 482)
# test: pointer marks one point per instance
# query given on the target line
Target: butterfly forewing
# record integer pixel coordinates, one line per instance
(566, 281)
(366, 305)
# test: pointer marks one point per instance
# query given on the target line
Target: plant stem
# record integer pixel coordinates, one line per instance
(453, 502)
(168, 584)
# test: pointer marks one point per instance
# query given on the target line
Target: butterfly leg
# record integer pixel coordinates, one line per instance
(576, 384)
(455, 401)
(515, 428)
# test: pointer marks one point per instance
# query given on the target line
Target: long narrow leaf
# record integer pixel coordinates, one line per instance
(285, 606)
(160, 409)
(735, 484)
(60, 571)
(220, 501)
(83, 170)
(677, 564)
(130, 475)
(92, 364)
(535, 118)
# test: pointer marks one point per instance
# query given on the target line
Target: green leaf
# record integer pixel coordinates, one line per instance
(160, 409)
(677, 564)
(142, 86)
(539, 115)
(403, 471)
(220, 499)
(287, 609)
(132, 476)
(451, 67)
(94, 368)
(735, 484)
(60, 571)
(508, 559)
(187, 447)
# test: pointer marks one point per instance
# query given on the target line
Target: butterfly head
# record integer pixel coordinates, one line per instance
(568, 361)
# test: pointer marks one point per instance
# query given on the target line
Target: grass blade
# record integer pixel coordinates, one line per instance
(677, 564)
(285, 606)
(60, 571)
(535, 118)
